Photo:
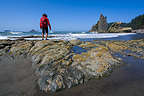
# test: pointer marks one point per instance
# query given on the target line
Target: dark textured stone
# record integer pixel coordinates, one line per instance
(57, 67)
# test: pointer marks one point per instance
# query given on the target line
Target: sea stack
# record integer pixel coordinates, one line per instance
(101, 25)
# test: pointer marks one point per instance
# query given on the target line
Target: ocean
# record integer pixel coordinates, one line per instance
(67, 35)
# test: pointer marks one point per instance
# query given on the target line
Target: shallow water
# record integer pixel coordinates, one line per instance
(16, 77)
(86, 36)
(78, 50)
(91, 37)
(120, 37)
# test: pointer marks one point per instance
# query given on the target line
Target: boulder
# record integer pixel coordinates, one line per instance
(58, 67)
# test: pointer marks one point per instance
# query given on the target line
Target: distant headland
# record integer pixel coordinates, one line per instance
(102, 26)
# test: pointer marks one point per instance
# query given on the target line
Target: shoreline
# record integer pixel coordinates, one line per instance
(85, 37)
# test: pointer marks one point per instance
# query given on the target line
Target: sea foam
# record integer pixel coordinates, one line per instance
(71, 36)
(16, 32)
(3, 37)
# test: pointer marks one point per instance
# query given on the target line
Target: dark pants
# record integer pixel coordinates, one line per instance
(44, 30)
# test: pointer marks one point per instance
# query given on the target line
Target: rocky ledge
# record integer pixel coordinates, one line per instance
(65, 64)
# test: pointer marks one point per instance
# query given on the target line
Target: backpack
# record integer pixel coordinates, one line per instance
(44, 22)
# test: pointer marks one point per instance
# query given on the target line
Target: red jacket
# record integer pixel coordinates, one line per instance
(44, 22)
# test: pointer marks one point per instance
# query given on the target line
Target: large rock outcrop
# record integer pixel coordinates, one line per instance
(101, 25)
(57, 66)
(116, 28)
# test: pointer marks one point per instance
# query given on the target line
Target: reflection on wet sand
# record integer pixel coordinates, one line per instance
(17, 78)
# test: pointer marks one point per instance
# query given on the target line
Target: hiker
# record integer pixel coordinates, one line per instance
(44, 23)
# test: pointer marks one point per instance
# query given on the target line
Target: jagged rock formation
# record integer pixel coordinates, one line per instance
(101, 25)
(59, 67)
(116, 27)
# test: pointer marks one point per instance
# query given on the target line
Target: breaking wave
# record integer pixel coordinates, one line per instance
(67, 36)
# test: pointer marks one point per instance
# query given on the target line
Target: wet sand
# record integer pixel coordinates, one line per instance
(16, 77)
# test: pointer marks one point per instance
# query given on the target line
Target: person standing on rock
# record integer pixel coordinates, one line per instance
(44, 23)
